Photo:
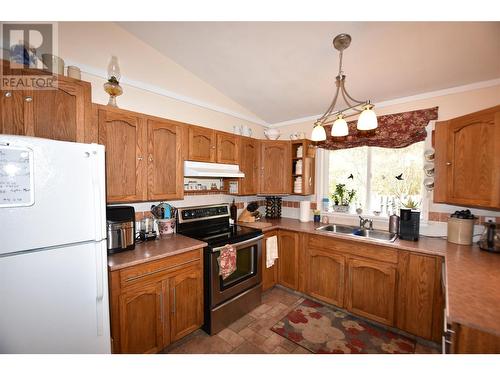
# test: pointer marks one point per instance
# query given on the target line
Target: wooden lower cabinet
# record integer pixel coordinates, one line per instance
(288, 264)
(186, 296)
(156, 303)
(371, 289)
(325, 275)
(269, 275)
(420, 295)
(143, 319)
(467, 340)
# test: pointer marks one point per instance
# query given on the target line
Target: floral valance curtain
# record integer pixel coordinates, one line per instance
(394, 131)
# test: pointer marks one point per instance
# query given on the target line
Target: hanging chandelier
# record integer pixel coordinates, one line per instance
(367, 119)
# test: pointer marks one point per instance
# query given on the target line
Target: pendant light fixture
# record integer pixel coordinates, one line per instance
(367, 119)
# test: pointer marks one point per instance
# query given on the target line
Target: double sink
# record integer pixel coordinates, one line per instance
(372, 234)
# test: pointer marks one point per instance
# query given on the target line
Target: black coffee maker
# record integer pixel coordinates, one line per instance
(409, 226)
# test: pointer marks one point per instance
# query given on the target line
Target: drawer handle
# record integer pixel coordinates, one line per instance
(8, 94)
(448, 163)
(28, 99)
(159, 270)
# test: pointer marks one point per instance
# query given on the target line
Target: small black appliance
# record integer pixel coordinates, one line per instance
(120, 222)
(409, 225)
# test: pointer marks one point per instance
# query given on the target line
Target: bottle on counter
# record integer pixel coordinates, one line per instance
(233, 211)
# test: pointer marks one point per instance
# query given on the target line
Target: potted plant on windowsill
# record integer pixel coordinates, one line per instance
(342, 198)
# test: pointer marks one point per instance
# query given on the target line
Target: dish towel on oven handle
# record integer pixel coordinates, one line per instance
(227, 261)
(271, 250)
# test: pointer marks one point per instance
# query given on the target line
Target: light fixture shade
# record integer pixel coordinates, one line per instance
(367, 119)
(340, 128)
(318, 133)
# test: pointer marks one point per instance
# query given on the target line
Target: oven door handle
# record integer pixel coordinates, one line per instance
(238, 244)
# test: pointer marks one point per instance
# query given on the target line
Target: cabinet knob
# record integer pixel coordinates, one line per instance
(139, 158)
(448, 163)
(213, 147)
(8, 94)
(28, 99)
(150, 158)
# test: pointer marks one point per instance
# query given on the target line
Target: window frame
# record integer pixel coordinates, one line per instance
(322, 188)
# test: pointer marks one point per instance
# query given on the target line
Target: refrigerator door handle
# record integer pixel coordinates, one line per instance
(100, 289)
(98, 176)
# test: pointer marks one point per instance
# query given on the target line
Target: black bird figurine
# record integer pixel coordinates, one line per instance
(351, 177)
(399, 177)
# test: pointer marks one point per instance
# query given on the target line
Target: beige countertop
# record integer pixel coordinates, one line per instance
(153, 250)
(472, 275)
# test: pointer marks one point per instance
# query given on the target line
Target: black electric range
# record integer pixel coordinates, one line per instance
(225, 299)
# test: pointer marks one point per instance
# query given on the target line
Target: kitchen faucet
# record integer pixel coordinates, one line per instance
(363, 222)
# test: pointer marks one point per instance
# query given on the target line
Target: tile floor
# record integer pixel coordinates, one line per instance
(252, 333)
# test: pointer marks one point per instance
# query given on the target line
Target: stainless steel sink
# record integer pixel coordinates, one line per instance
(378, 235)
(372, 234)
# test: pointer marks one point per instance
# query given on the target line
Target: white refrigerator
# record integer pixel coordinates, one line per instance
(53, 258)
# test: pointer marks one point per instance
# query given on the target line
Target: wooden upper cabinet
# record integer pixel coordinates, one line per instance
(62, 114)
(123, 134)
(202, 144)
(14, 109)
(186, 296)
(142, 319)
(249, 164)
(325, 275)
(468, 160)
(275, 167)
(59, 114)
(165, 174)
(371, 289)
(288, 264)
(227, 148)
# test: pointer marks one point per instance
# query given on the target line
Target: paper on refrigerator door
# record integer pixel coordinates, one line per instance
(16, 177)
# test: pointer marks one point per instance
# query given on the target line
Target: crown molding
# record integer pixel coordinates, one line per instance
(101, 73)
(406, 99)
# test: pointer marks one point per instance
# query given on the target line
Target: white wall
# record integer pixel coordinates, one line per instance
(156, 84)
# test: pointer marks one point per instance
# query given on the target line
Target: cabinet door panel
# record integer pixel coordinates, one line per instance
(249, 164)
(288, 260)
(472, 144)
(202, 144)
(142, 319)
(325, 276)
(468, 150)
(164, 161)
(186, 296)
(12, 112)
(59, 114)
(227, 148)
(371, 290)
(275, 167)
(124, 137)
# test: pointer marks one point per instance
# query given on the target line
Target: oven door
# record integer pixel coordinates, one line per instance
(247, 275)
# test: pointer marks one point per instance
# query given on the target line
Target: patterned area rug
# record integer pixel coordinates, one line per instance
(326, 330)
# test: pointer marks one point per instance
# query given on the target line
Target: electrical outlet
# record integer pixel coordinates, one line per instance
(489, 218)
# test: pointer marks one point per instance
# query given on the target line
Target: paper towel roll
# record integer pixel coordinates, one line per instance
(305, 211)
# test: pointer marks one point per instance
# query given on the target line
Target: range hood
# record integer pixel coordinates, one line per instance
(198, 169)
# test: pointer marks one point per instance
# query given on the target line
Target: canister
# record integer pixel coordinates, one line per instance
(460, 231)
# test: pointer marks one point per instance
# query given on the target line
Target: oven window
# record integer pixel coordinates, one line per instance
(246, 261)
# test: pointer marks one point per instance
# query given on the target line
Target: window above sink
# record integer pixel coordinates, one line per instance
(385, 179)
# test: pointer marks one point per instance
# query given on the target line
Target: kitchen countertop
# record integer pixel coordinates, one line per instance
(426, 245)
(472, 275)
(153, 250)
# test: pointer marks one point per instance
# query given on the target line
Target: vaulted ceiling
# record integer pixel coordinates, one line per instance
(286, 70)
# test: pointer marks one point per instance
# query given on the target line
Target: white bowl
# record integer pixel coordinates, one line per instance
(272, 134)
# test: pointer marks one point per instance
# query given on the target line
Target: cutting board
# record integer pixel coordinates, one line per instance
(257, 224)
